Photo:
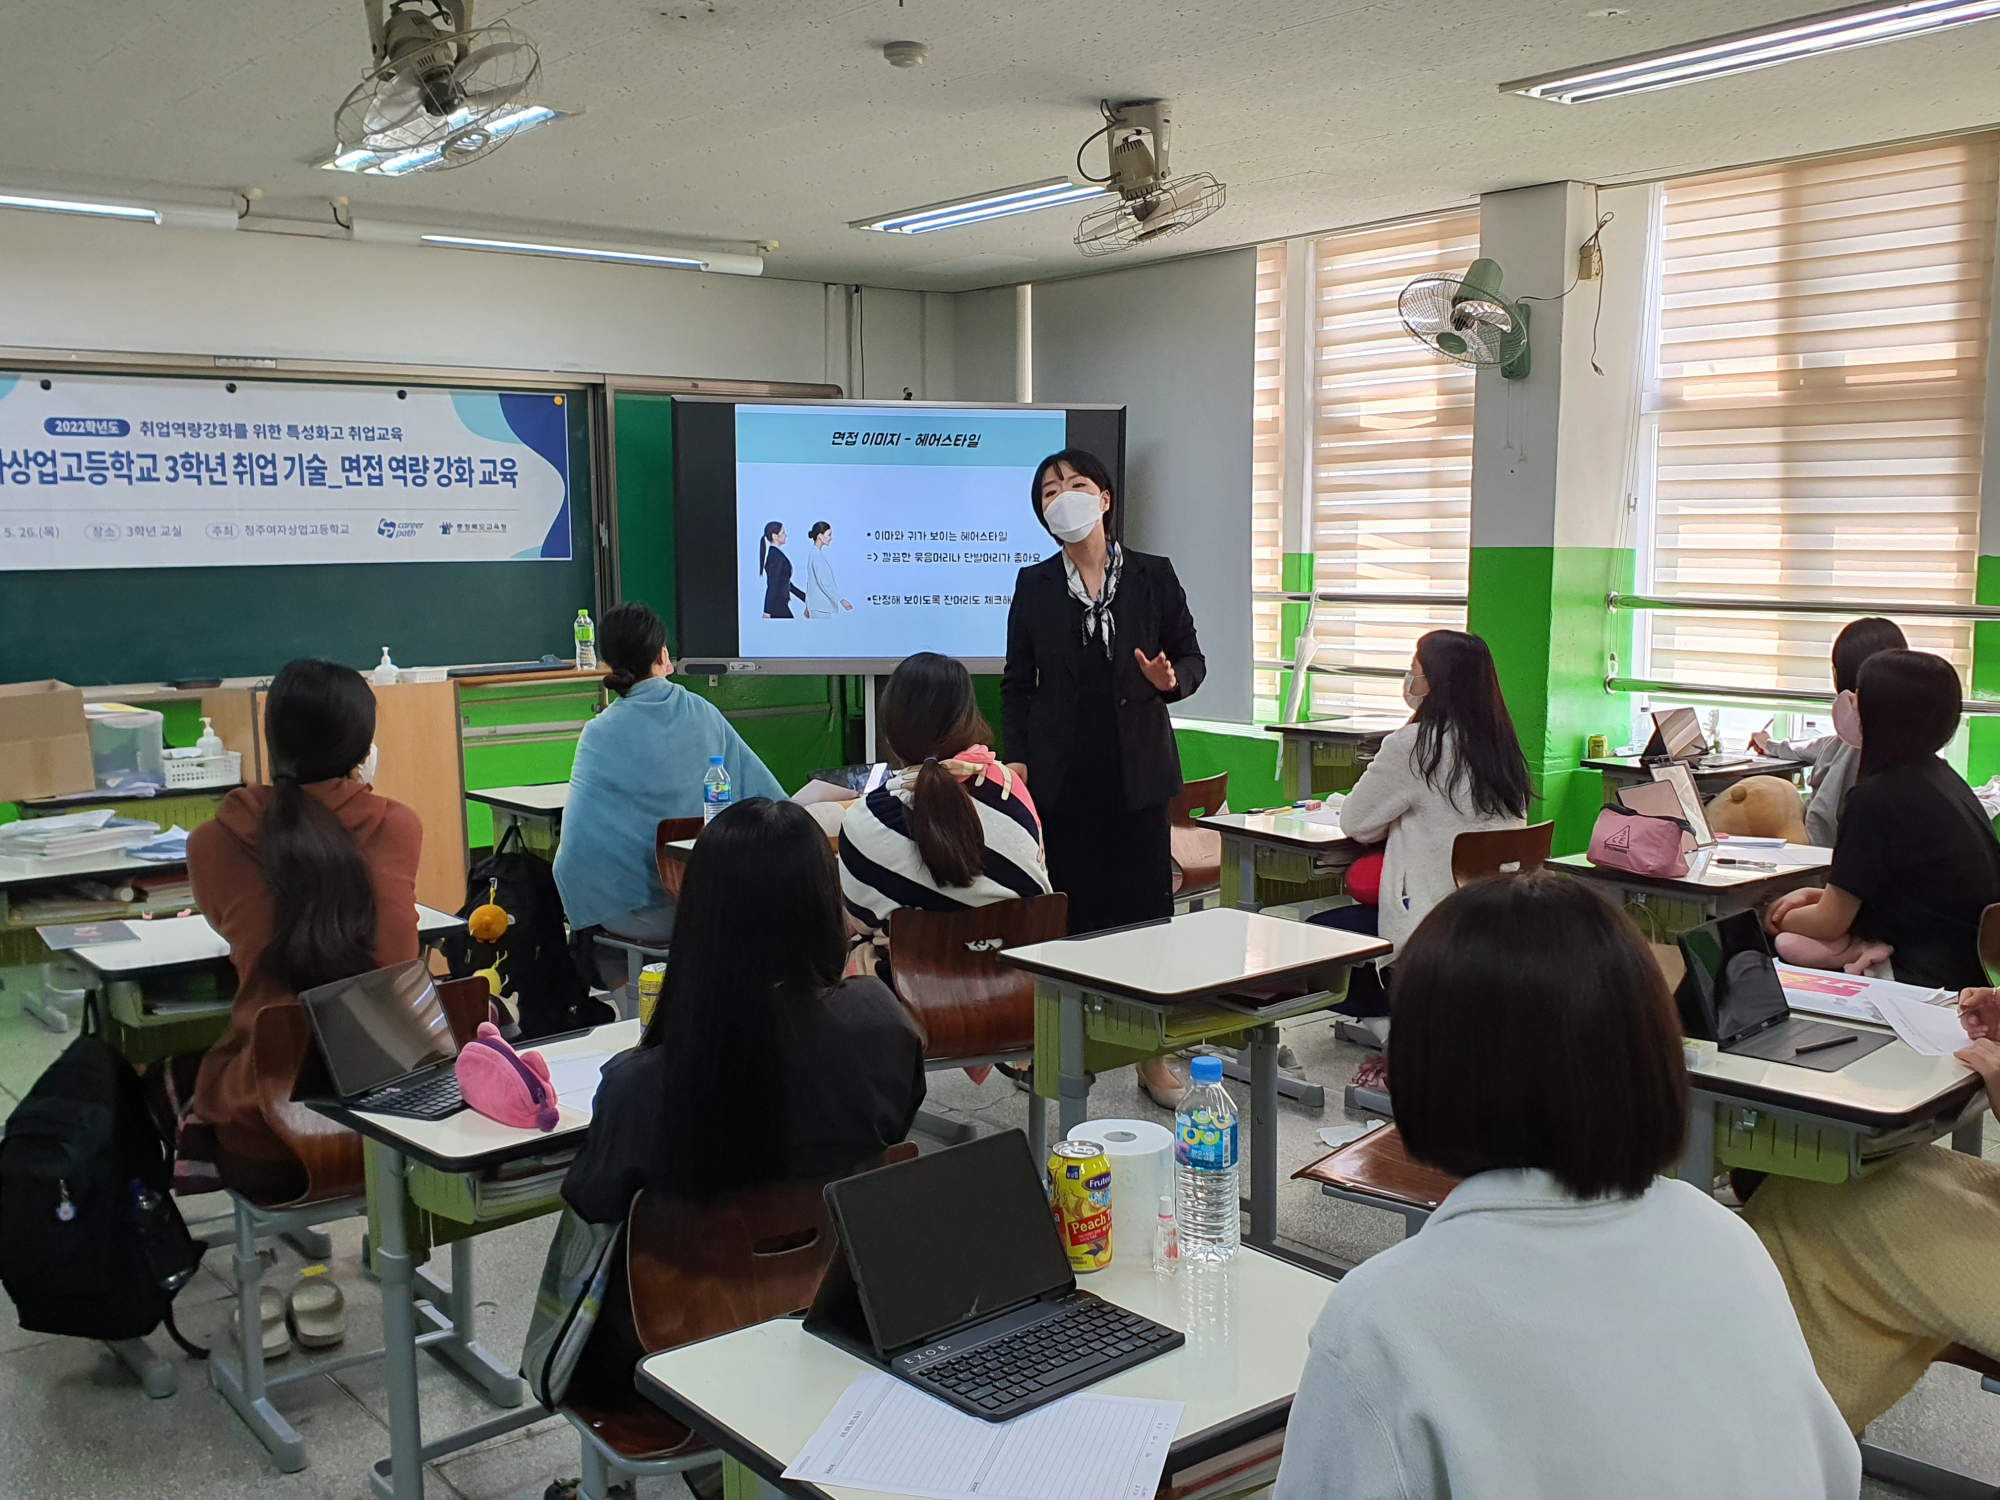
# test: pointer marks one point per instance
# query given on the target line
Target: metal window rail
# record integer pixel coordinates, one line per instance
(1269, 664)
(1616, 601)
(1338, 596)
(1707, 692)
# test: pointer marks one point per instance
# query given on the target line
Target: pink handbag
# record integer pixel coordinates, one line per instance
(505, 1085)
(1639, 845)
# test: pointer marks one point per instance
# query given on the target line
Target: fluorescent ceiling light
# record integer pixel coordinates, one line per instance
(397, 163)
(1053, 193)
(577, 252)
(1764, 47)
(69, 206)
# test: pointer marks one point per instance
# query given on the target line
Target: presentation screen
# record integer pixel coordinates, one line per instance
(842, 536)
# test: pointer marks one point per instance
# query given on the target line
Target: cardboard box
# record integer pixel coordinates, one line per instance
(44, 741)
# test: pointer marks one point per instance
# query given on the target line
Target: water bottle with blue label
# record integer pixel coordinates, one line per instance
(715, 789)
(1207, 1208)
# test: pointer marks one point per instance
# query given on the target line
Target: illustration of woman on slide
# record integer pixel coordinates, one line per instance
(776, 569)
(823, 599)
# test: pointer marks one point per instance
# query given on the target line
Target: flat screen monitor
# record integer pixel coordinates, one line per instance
(841, 536)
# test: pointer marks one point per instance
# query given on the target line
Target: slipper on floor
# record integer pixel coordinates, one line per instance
(317, 1309)
(271, 1311)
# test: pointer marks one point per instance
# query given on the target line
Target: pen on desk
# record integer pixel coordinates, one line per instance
(1746, 864)
(1827, 1045)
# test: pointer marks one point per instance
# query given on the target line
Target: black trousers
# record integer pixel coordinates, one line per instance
(1115, 864)
(1367, 989)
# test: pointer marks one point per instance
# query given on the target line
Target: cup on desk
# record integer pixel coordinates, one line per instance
(1596, 747)
(1701, 1056)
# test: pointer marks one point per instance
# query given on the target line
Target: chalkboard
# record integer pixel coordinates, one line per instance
(92, 627)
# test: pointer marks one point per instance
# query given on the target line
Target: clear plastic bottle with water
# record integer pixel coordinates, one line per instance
(586, 642)
(715, 789)
(1207, 1211)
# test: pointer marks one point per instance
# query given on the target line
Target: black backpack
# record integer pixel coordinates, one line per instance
(92, 1243)
(539, 969)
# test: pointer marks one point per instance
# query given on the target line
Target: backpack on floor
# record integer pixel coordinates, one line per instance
(533, 955)
(92, 1243)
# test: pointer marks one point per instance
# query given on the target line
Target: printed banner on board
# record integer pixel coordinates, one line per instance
(107, 472)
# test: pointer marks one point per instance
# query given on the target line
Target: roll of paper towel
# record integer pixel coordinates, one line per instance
(1142, 1173)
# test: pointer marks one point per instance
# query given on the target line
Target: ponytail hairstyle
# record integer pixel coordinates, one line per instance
(629, 639)
(1465, 701)
(929, 714)
(319, 720)
(771, 529)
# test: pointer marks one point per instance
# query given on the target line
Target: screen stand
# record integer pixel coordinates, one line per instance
(868, 750)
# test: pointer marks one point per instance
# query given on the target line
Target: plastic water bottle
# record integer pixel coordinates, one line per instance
(586, 642)
(715, 789)
(1207, 1208)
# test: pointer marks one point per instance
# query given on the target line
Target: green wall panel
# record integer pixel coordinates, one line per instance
(1249, 758)
(644, 432)
(1983, 733)
(1541, 610)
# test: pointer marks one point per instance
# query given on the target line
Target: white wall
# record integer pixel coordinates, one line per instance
(98, 285)
(1175, 343)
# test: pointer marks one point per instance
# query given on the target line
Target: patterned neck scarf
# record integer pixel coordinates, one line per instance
(1097, 621)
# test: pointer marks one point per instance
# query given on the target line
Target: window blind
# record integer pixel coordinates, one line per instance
(1267, 468)
(1391, 490)
(1816, 403)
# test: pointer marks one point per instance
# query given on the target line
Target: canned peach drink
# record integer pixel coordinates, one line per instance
(1080, 1199)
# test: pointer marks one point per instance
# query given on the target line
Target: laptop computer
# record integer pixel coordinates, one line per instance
(1732, 996)
(1676, 736)
(950, 1275)
(387, 1042)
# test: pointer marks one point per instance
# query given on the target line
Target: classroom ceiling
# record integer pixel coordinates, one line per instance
(734, 121)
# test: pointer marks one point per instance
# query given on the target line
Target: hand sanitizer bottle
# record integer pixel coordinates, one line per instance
(385, 670)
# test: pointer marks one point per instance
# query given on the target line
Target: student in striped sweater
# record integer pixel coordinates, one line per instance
(951, 830)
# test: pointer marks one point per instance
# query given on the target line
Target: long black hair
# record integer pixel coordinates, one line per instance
(758, 931)
(1910, 702)
(319, 720)
(1858, 640)
(929, 714)
(1085, 465)
(1465, 700)
(629, 639)
(771, 529)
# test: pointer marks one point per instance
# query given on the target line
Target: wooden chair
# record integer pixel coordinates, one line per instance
(281, 1054)
(946, 967)
(673, 871)
(1934, 1479)
(1989, 943)
(1197, 852)
(1500, 851)
(1377, 1172)
(696, 1271)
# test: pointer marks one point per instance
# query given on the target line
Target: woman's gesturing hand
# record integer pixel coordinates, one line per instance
(1159, 671)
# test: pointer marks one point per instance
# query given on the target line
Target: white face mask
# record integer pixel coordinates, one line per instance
(365, 772)
(1410, 694)
(1073, 514)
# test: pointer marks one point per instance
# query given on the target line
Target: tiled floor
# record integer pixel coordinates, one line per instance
(76, 1422)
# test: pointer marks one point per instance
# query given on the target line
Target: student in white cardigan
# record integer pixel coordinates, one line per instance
(1456, 767)
(1569, 1324)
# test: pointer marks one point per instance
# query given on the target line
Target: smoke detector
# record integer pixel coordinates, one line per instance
(905, 54)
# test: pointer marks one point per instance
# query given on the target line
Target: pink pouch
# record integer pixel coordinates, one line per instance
(505, 1085)
(1639, 845)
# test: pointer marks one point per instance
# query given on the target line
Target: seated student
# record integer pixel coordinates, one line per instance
(311, 879)
(1456, 767)
(954, 828)
(1835, 757)
(1569, 1324)
(1916, 861)
(639, 763)
(761, 1063)
(1889, 1269)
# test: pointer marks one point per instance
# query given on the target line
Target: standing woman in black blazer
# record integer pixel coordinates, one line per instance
(777, 570)
(1099, 642)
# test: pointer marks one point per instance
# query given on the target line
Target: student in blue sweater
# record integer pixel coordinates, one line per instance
(639, 762)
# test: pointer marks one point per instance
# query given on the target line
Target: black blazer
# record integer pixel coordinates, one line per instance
(778, 586)
(1038, 690)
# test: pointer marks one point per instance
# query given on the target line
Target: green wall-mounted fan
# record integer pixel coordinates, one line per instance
(1465, 319)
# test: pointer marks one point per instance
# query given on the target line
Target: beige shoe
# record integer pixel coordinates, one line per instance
(317, 1309)
(271, 1312)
